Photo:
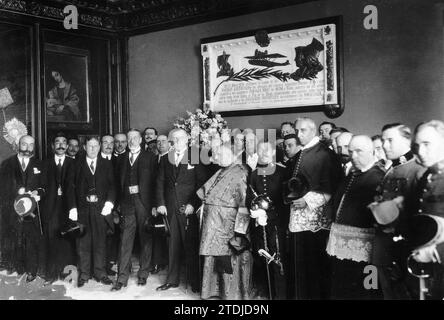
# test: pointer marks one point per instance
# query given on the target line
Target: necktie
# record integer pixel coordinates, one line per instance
(177, 158)
(92, 167)
(59, 171)
(131, 158)
(23, 165)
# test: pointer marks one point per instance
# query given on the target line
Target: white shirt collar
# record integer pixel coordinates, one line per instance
(368, 167)
(56, 159)
(181, 152)
(89, 160)
(312, 143)
(26, 159)
(106, 156)
(137, 151)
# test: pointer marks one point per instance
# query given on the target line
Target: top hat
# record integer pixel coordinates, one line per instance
(24, 205)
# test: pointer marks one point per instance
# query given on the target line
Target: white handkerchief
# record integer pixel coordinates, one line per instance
(190, 167)
(36, 170)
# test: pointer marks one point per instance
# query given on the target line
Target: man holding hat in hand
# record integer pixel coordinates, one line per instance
(95, 196)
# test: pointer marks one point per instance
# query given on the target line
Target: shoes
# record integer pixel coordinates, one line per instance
(30, 277)
(81, 283)
(141, 281)
(105, 280)
(111, 273)
(155, 270)
(117, 286)
(166, 286)
(195, 290)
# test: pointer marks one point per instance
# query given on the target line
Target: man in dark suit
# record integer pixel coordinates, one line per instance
(150, 140)
(112, 234)
(95, 196)
(137, 169)
(20, 238)
(178, 180)
(160, 247)
(120, 144)
(58, 173)
(73, 148)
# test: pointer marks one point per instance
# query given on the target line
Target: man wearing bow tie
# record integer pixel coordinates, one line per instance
(120, 144)
(178, 180)
(95, 197)
(58, 172)
(136, 183)
(20, 238)
(107, 147)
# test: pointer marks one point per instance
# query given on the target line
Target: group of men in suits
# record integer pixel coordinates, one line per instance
(350, 211)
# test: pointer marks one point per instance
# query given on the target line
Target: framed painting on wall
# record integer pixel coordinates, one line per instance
(66, 83)
(275, 70)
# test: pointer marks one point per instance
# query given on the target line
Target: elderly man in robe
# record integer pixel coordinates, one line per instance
(227, 262)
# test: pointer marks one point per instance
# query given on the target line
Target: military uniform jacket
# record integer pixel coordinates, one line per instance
(407, 171)
(269, 180)
(430, 196)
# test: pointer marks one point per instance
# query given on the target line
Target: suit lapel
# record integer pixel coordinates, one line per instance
(124, 169)
(18, 170)
(183, 163)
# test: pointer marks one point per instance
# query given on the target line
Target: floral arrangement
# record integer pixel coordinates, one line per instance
(203, 127)
(13, 130)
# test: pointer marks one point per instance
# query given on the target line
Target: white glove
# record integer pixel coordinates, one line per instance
(262, 220)
(107, 208)
(257, 213)
(162, 210)
(35, 195)
(73, 214)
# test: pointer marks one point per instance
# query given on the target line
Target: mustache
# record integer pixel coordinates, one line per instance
(26, 152)
(61, 148)
(344, 158)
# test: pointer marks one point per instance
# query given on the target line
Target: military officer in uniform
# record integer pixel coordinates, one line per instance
(428, 145)
(267, 179)
(394, 191)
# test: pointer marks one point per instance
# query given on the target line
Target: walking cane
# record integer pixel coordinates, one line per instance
(40, 219)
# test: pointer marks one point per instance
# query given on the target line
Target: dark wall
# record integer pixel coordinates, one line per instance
(395, 73)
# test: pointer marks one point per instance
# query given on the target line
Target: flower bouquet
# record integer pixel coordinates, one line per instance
(203, 127)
